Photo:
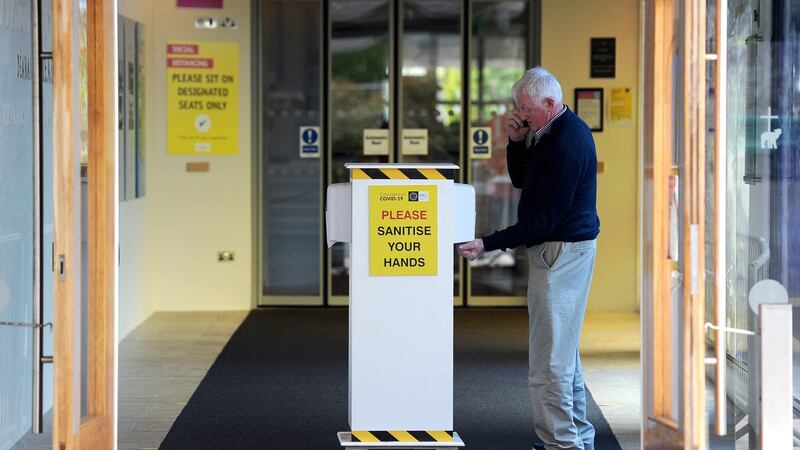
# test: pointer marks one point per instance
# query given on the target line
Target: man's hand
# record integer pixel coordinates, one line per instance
(516, 128)
(471, 250)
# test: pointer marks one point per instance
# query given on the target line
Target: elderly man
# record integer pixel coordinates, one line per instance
(557, 221)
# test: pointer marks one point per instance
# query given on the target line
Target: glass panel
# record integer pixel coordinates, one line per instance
(763, 187)
(501, 36)
(359, 97)
(663, 176)
(290, 82)
(16, 220)
(431, 83)
(431, 76)
(45, 24)
(83, 158)
(710, 225)
(47, 202)
(678, 183)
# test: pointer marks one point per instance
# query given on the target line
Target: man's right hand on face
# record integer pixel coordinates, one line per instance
(516, 127)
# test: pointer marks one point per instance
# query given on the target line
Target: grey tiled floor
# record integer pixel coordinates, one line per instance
(162, 362)
(610, 357)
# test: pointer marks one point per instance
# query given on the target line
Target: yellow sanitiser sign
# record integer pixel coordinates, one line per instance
(403, 230)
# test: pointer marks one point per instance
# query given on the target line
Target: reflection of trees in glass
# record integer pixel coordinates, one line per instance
(497, 82)
(492, 96)
(449, 94)
(356, 107)
(359, 87)
(421, 110)
(367, 65)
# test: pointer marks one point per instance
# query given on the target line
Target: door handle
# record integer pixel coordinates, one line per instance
(61, 268)
(27, 325)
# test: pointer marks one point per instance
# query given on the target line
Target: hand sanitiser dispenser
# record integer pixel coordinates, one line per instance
(401, 221)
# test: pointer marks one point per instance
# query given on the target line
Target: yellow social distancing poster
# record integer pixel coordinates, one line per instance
(202, 98)
(402, 230)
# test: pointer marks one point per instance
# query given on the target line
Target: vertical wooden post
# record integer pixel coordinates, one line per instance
(102, 206)
(64, 185)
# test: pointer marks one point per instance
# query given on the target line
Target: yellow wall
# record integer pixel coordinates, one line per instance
(169, 239)
(567, 27)
(192, 216)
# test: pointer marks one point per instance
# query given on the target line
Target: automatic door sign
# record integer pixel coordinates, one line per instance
(403, 230)
(376, 141)
(309, 142)
(415, 141)
(480, 145)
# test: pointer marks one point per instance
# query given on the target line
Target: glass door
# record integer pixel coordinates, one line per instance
(85, 202)
(674, 227)
(360, 123)
(430, 90)
(427, 107)
(381, 81)
(758, 184)
(291, 141)
(503, 44)
(721, 221)
(17, 206)
(26, 242)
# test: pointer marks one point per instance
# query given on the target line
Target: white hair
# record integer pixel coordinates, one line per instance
(538, 84)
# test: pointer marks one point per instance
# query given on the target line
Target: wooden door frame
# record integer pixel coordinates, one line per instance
(663, 37)
(97, 430)
(658, 430)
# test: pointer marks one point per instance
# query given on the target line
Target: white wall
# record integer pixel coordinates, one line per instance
(567, 27)
(135, 303)
(192, 216)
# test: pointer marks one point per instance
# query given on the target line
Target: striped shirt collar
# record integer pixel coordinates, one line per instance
(548, 125)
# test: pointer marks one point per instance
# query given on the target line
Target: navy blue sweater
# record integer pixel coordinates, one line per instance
(558, 178)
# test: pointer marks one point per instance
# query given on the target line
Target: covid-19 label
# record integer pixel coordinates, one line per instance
(402, 228)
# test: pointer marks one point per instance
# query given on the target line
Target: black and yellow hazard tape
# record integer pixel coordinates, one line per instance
(402, 174)
(402, 436)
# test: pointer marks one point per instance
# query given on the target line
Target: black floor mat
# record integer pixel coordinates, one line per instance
(281, 383)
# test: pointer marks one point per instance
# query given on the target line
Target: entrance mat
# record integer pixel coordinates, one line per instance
(281, 383)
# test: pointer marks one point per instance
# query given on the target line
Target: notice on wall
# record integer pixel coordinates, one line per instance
(603, 58)
(376, 141)
(403, 230)
(203, 98)
(589, 107)
(620, 107)
(415, 141)
(480, 144)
